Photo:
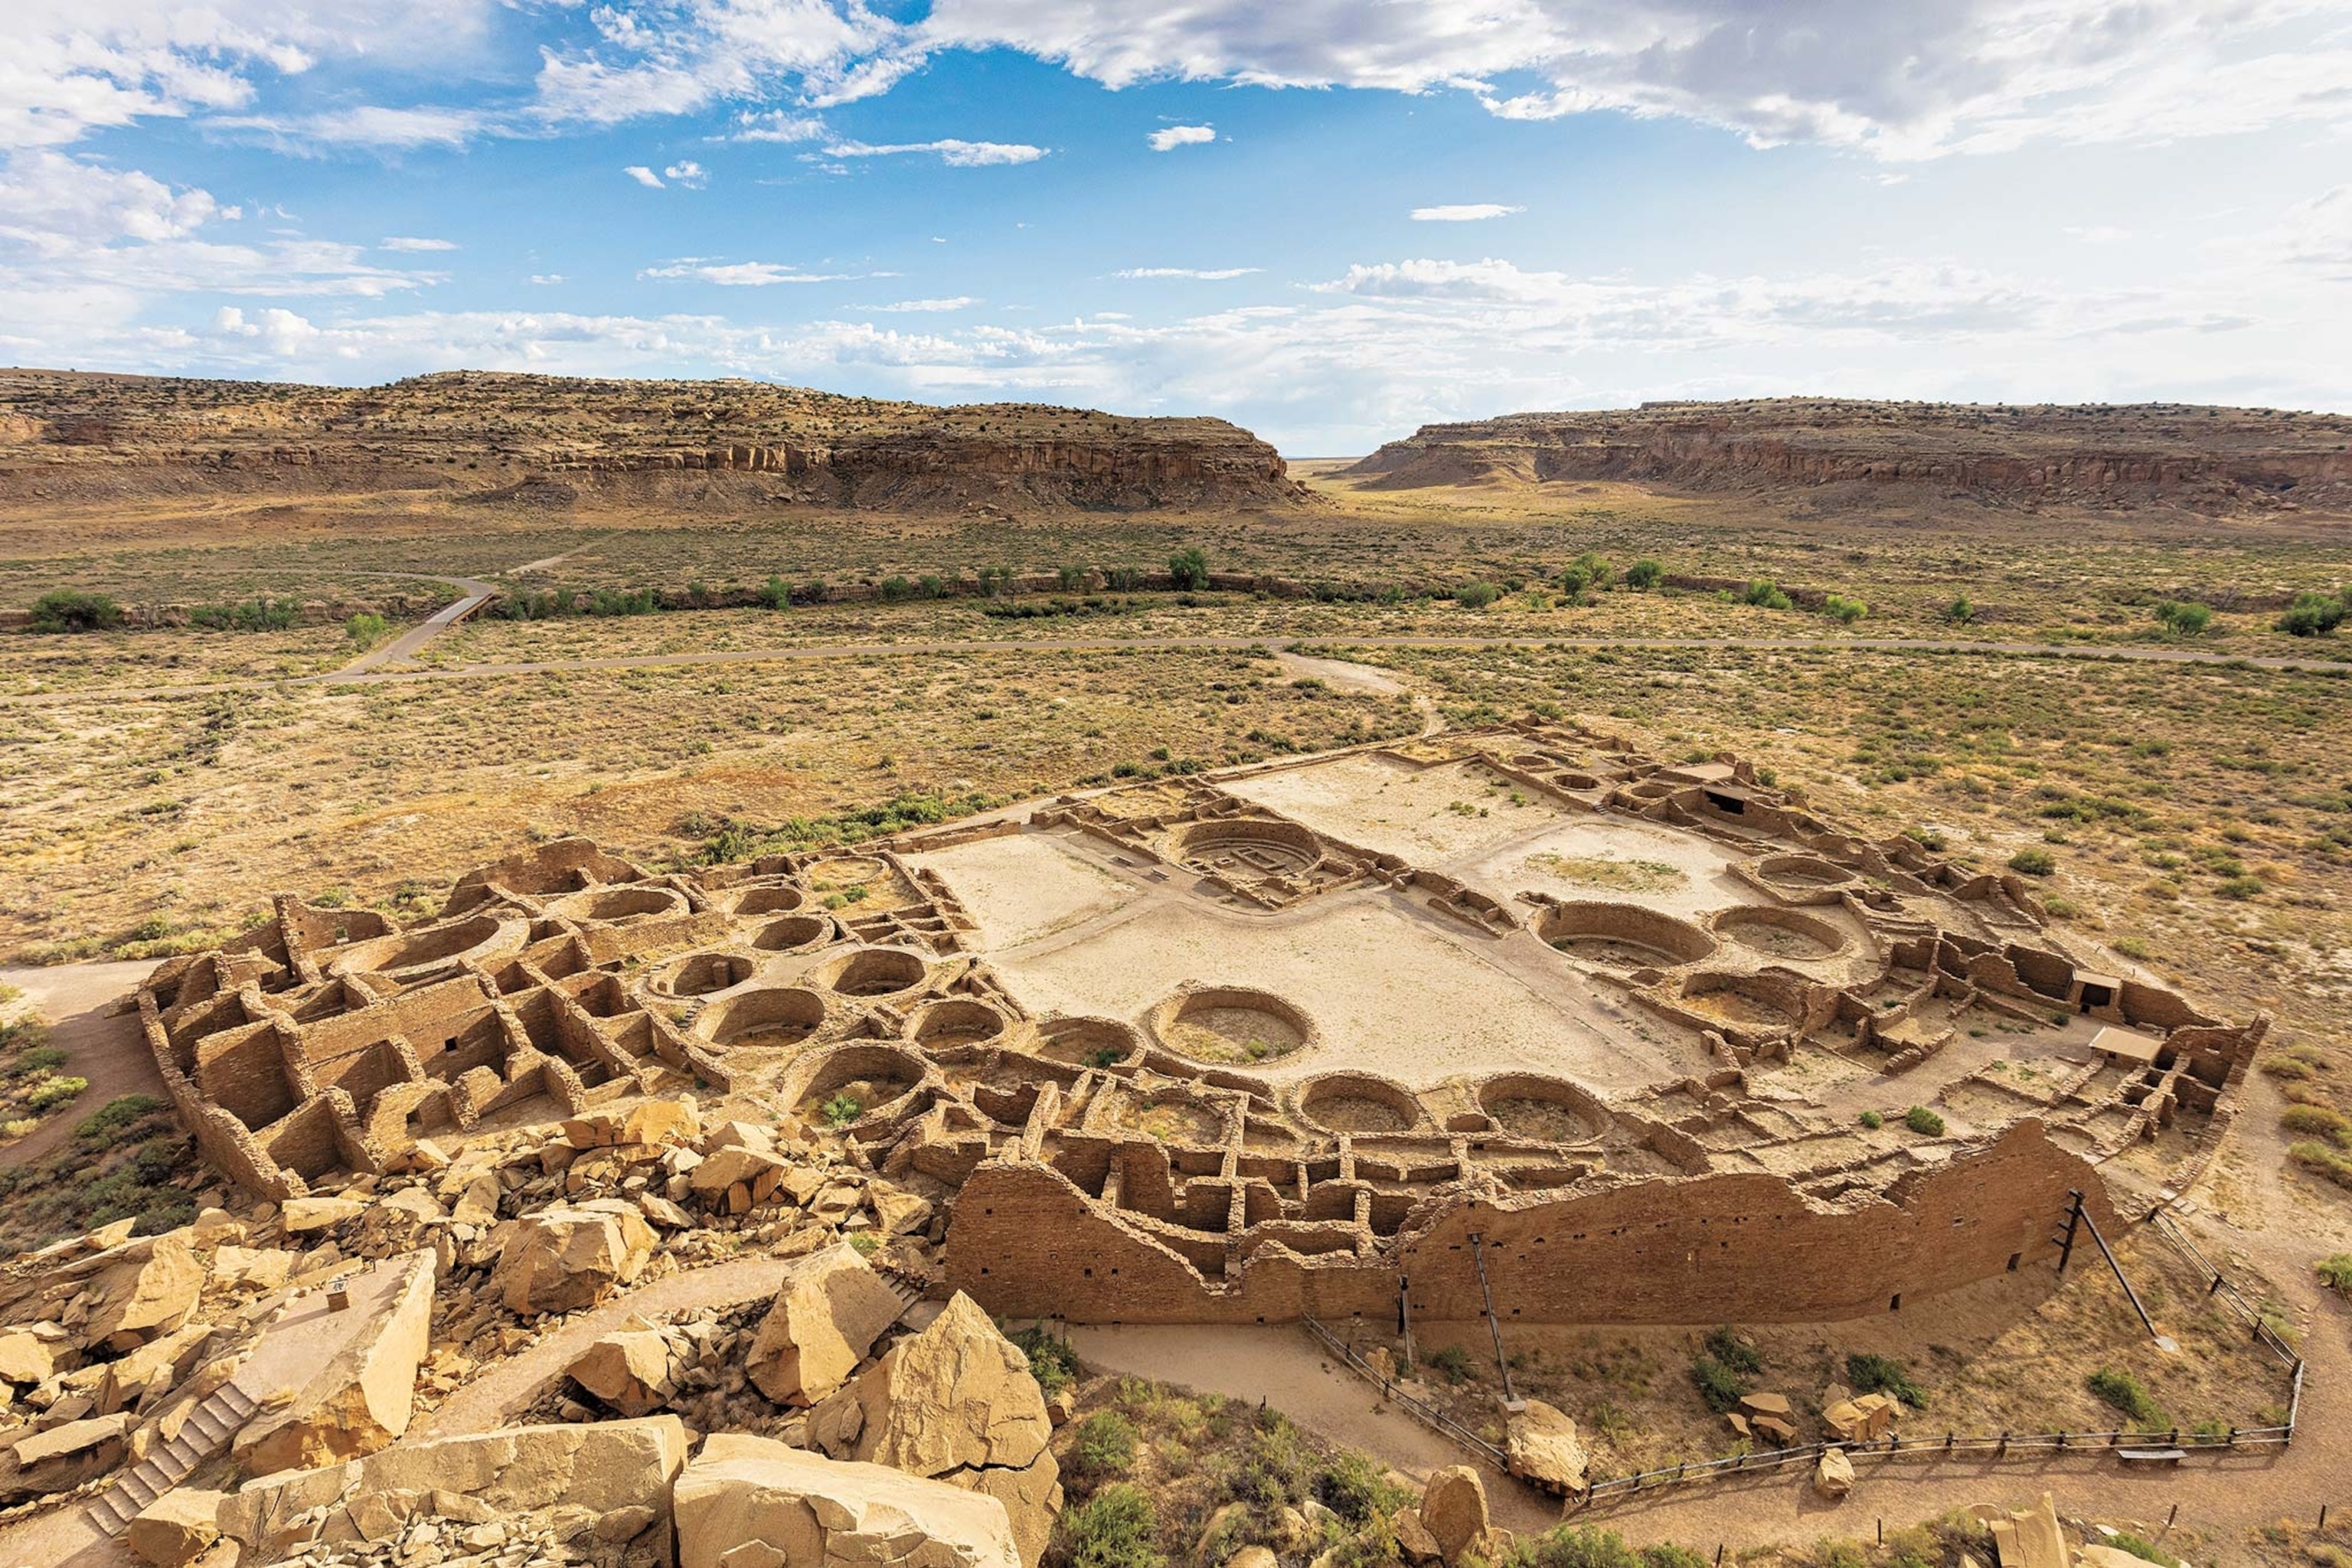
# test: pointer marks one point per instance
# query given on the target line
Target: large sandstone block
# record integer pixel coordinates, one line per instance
(958, 1394)
(606, 1467)
(631, 1370)
(1454, 1508)
(148, 1296)
(1543, 1446)
(361, 1400)
(176, 1527)
(827, 1315)
(752, 1503)
(562, 1257)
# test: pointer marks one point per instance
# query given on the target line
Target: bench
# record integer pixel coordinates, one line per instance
(2151, 1455)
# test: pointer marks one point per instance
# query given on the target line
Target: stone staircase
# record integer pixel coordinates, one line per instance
(206, 1432)
(905, 1285)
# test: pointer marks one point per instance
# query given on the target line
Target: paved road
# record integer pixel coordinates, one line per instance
(369, 672)
(409, 643)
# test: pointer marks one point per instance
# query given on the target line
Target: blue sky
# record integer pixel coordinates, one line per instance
(1329, 220)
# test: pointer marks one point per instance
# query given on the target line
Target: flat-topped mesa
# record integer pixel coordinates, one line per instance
(474, 436)
(2004, 452)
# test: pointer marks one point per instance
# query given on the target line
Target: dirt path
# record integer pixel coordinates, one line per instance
(373, 671)
(493, 1398)
(109, 1052)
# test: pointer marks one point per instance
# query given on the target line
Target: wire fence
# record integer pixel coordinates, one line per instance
(2151, 1447)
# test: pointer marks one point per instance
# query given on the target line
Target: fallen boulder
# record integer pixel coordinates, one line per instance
(148, 1296)
(827, 1315)
(1453, 1510)
(1833, 1476)
(634, 1371)
(360, 1401)
(1542, 1446)
(175, 1528)
(566, 1258)
(753, 1502)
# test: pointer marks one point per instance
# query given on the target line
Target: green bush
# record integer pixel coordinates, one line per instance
(2127, 1394)
(1188, 569)
(2316, 614)
(56, 1091)
(115, 1115)
(776, 593)
(896, 590)
(1644, 574)
(841, 1110)
(1476, 595)
(1871, 1374)
(2183, 617)
(1052, 1362)
(364, 629)
(2033, 862)
(1923, 1122)
(1123, 579)
(2304, 1119)
(72, 610)
(1765, 594)
(1357, 1488)
(1718, 1384)
(39, 1059)
(1106, 1444)
(1844, 611)
(258, 614)
(1452, 1362)
(1115, 1527)
(1590, 1546)
(2336, 1272)
(2142, 1547)
(1872, 1120)
(1960, 612)
(1725, 1345)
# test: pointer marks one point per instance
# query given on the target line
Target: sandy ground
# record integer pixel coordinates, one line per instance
(109, 1052)
(1396, 808)
(1026, 888)
(1618, 861)
(1394, 992)
(1286, 1369)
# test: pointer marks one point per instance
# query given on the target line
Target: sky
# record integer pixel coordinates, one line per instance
(1328, 220)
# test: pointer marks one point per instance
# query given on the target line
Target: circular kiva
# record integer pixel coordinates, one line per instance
(1622, 936)
(1801, 871)
(1168, 1113)
(850, 870)
(1548, 1110)
(843, 1086)
(1745, 1001)
(473, 937)
(873, 971)
(775, 1017)
(1357, 1102)
(1782, 933)
(1088, 1042)
(700, 974)
(619, 905)
(768, 899)
(960, 1021)
(1229, 1024)
(1261, 844)
(793, 933)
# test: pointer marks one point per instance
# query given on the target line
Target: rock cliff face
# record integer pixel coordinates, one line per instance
(524, 439)
(2016, 453)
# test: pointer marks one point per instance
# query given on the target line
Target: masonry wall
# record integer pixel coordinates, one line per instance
(1026, 1242)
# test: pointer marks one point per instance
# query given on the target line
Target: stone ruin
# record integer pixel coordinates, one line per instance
(1262, 1044)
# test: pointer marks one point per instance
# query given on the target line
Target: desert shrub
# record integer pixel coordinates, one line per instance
(2305, 1119)
(38, 1060)
(1844, 611)
(2335, 1271)
(2033, 862)
(74, 610)
(841, 1110)
(1070, 578)
(1115, 1527)
(2127, 1393)
(1644, 574)
(1871, 1374)
(1923, 1122)
(1765, 594)
(258, 614)
(2316, 614)
(56, 1091)
(1106, 1444)
(1725, 1345)
(115, 1115)
(1476, 595)
(2183, 617)
(1716, 1383)
(1189, 569)
(364, 629)
(2142, 1548)
(1452, 1362)
(1872, 1120)
(1123, 579)
(1589, 1546)
(1960, 612)
(1358, 1490)
(1573, 583)
(1051, 1361)
(896, 590)
(776, 593)
(2321, 1160)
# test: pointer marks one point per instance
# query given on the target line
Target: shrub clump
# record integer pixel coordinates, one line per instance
(1106, 1444)
(1051, 1361)
(75, 610)
(1644, 574)
(2127, 1393)
(1872, 1374)
(1476, 595)
(1589, 1546)
(1765, 594)
(1923, 1122)
(2033, 862)
(1115, 1527)
(1844, 611)
(1188, 569)
(2183, 617)
(1721, 1387)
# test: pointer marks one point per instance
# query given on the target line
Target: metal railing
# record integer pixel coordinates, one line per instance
(1429, 1415)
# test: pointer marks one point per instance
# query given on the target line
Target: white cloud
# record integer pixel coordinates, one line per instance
(954, 152)
(747, 274)
(959, 302)
(775, 125)
(545, 280)
(1170, 138)
(644, 177)
(1213, 274)
(409, 242)
(689, 173)
(1472, 212)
